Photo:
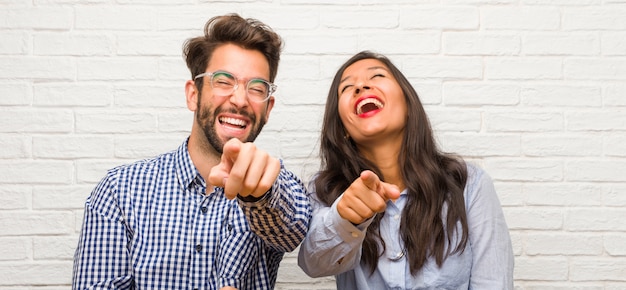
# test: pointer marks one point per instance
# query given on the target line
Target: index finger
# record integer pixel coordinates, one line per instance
(370, 180)
(219, 173)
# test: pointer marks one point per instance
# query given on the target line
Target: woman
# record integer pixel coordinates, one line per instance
(391, 211)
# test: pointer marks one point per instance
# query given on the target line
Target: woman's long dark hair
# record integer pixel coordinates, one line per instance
(434, 180)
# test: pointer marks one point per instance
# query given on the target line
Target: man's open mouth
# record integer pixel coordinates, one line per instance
(233, 122)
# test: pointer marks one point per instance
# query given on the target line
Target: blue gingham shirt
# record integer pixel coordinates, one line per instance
(333, 247)
(151, 225)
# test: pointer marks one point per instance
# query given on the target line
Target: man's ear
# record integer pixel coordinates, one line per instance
(191, 95)
(270, 105)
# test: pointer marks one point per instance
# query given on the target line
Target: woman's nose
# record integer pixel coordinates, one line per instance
(361, 88)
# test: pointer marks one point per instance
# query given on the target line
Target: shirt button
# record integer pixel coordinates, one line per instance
(355, 234)
(204, 209)
(396, 216)
(198, 248)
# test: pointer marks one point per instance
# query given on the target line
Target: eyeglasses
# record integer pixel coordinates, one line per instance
(224, 83)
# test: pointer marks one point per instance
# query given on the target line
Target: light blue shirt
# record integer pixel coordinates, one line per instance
(333, 247)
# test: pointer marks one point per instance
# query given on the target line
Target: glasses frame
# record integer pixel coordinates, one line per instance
(272, 87)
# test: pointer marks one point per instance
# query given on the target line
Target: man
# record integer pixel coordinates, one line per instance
(218, 212)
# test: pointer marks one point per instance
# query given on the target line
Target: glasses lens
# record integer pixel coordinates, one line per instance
(258, 90)
(223, 83)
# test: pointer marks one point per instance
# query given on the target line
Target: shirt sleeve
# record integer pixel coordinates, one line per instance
(492, 266)
(281, 218)
(333, 244)
(101, 259)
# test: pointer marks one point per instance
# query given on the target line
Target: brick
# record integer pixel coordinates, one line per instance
(563, 194)
(173, 69)
(596, 120)
(534, 218)
(594, 69)
(463, 68)
(594, 18)
(139, 147)
(600, 170)
(481, 144)
(433, 17)
(521, 121)
(180, 17)
(292, 18)
(300, 145)
(301, 119)
(560, 43)
(150, 95)
(36, 121)
(455, 120)
(72, 147)
(53, 18)
(15, 249)
(14, 43)
(14, 197)
(114, 18)
(34, 273)
(15, 94)
(510, 193)
(481, 43)
(471, 94)
(150, 44)
(120, 68)
(529, 68)
(614, 95)
(25, 223)
(525, 18)
(414, 43)
(615, 244)
(39, 68)
(92, 171)
(614, 145)
(541, 269)
(361, 18)
(518, 169)
(614, 43)
(127, 122)
(60, 197)
(54, 248)
(72, 94)
(551, 244)
(595, 219)
(15, 146)
(561, 145)
(78, 44)
(561, 95)
(320, 43)
(175, 122)
(597, 269)
(613, 195)
(303, 67)
(46, 172)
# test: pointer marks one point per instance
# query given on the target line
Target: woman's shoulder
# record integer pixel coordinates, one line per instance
(478, 182)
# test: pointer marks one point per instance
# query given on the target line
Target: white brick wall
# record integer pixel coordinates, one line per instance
(534, 91)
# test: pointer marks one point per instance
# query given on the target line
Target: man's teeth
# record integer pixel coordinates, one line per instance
(376, 102)
(233, 121)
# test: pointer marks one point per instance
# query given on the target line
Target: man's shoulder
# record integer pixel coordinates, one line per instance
(145, 165)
